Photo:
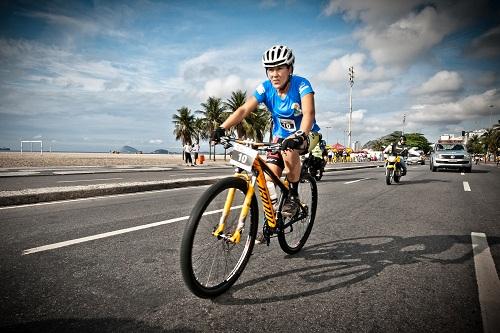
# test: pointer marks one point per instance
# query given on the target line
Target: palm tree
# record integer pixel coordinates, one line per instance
(184, 123)
(474, 145)
(200, 130)
(490, 141)
(237, 99)
(257, 123)
(213, 116)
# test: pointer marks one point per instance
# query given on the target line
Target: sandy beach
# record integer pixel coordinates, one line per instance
(52, 159)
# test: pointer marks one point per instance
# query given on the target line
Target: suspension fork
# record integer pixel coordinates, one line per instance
(236, 235)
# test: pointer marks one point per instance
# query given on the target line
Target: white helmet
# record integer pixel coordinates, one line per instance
(278, 55)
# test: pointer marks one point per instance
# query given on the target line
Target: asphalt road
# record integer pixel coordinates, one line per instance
(380, 258)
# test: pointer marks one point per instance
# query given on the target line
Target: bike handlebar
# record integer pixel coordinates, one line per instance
(264, 146)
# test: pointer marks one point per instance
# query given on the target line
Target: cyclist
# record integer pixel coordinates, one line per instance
(400, 149)
(290, 99)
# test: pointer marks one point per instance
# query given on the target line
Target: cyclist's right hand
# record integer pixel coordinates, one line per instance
(218, 133)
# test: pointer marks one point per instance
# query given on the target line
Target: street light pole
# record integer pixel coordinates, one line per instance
(327, 132)
(351, 81)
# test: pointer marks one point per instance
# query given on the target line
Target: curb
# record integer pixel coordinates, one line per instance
(32, 196)
(47, 194)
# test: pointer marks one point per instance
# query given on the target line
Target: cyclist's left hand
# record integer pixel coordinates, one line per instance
(294, 141)
(218, 133)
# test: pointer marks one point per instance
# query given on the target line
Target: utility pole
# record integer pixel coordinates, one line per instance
(327, 131)
(351, 81)
(404, 121)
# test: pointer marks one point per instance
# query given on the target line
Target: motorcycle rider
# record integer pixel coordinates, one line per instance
(400, 149)
(319, 152)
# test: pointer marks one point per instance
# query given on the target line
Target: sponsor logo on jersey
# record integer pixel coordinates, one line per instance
(260, 89)
(296, 109)
(302, 87)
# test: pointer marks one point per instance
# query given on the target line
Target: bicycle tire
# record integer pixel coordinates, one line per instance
(293, 238)
(211, 265)
(319, 175)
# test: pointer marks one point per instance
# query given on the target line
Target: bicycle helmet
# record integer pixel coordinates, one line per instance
(278, 55)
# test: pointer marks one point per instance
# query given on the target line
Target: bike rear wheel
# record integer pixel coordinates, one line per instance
(293, 236)
(210, 265)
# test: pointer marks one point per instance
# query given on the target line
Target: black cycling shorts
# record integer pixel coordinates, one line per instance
(274, 157)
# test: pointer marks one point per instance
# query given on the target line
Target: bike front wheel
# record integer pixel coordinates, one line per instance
(211, 264)
(388, 176)
(295, 231)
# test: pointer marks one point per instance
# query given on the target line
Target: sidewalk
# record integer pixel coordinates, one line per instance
(31, 196)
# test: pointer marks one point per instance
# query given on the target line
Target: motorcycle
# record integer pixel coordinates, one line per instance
(393, 169)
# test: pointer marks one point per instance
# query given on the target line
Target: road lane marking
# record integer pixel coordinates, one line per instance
(86, 180)
(466, 187)
(111, 233)
(357, 180)
(487, 282)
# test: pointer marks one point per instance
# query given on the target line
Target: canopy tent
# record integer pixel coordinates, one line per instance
(338, 146)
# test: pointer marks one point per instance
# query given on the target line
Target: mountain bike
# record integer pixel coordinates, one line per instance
(221, 231)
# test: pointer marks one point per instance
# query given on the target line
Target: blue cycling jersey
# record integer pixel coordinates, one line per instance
(286, 112)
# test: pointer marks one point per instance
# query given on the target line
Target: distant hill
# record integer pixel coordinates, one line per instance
(160, 151)
(128, 150)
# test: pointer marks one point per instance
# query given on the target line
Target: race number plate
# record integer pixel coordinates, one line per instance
(242, 156)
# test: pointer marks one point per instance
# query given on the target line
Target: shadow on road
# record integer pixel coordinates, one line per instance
(341, 263)
(405, 181)
(101, 325)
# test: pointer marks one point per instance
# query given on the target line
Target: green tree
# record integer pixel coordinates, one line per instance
(258, 123)
(412, 140)
(200, 130)
(390, 138)
(418, 140)
(213, 111)
(237, 99)
(184, 123)
(490, 140)
(378, 145)
(474, 145)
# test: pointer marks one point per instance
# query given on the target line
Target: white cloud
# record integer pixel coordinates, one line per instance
(470, 107)
(337, 70)
(443, 81)
(399, 32)
(373, 12)
(156, 141)
(406, 39)
(377, 88)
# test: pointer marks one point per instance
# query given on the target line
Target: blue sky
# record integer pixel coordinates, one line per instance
(98, 75)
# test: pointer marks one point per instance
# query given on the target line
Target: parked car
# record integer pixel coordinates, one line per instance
(450, 156)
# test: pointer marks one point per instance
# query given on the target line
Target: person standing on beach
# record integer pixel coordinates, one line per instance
(187, 154)
(195, 150)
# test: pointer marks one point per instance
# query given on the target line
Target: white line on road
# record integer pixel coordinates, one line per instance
(466, 187)
(86, 180)
(111, 233)
(487, 282)
(357, 180)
